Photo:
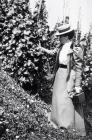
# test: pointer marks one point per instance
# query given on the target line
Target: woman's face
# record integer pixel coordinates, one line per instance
(63, 39)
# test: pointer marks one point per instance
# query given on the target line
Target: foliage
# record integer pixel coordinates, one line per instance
(20, 39)
(87, 68)
(25, 117)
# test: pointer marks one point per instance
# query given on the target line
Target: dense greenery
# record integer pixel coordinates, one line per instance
(23, 117)
(21, 32)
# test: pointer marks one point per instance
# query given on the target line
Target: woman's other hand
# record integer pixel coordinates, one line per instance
(78, 89)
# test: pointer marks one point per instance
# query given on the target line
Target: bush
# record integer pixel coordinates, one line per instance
(21, 33)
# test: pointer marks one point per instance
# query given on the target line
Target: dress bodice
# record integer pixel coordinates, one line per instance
(64, 52)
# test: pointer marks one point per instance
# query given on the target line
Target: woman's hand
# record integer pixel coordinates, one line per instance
(78, 89)
(75, 92)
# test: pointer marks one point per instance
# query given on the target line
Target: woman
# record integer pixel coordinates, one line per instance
(65, 113)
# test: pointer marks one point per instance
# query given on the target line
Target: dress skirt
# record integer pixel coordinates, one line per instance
(65, 113)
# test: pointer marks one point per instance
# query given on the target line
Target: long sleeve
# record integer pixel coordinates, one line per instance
(56, 66)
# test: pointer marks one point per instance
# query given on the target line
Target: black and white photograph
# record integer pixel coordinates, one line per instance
(45, 69)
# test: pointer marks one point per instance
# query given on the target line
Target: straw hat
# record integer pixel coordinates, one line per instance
(64, 29)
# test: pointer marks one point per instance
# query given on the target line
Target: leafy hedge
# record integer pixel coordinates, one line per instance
(21, 32)
(23, 117)
(87, 69)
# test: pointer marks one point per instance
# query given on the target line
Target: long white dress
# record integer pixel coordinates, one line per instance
(65, 113)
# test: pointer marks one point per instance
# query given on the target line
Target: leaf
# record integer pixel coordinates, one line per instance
(29, 62)
(26, 32)
(22, 79)
(26, 73)
(16, 31)
(11, 11)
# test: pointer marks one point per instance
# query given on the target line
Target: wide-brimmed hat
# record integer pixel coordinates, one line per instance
(64, 29)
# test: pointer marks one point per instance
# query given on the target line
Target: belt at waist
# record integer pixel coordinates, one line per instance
(63, 66)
